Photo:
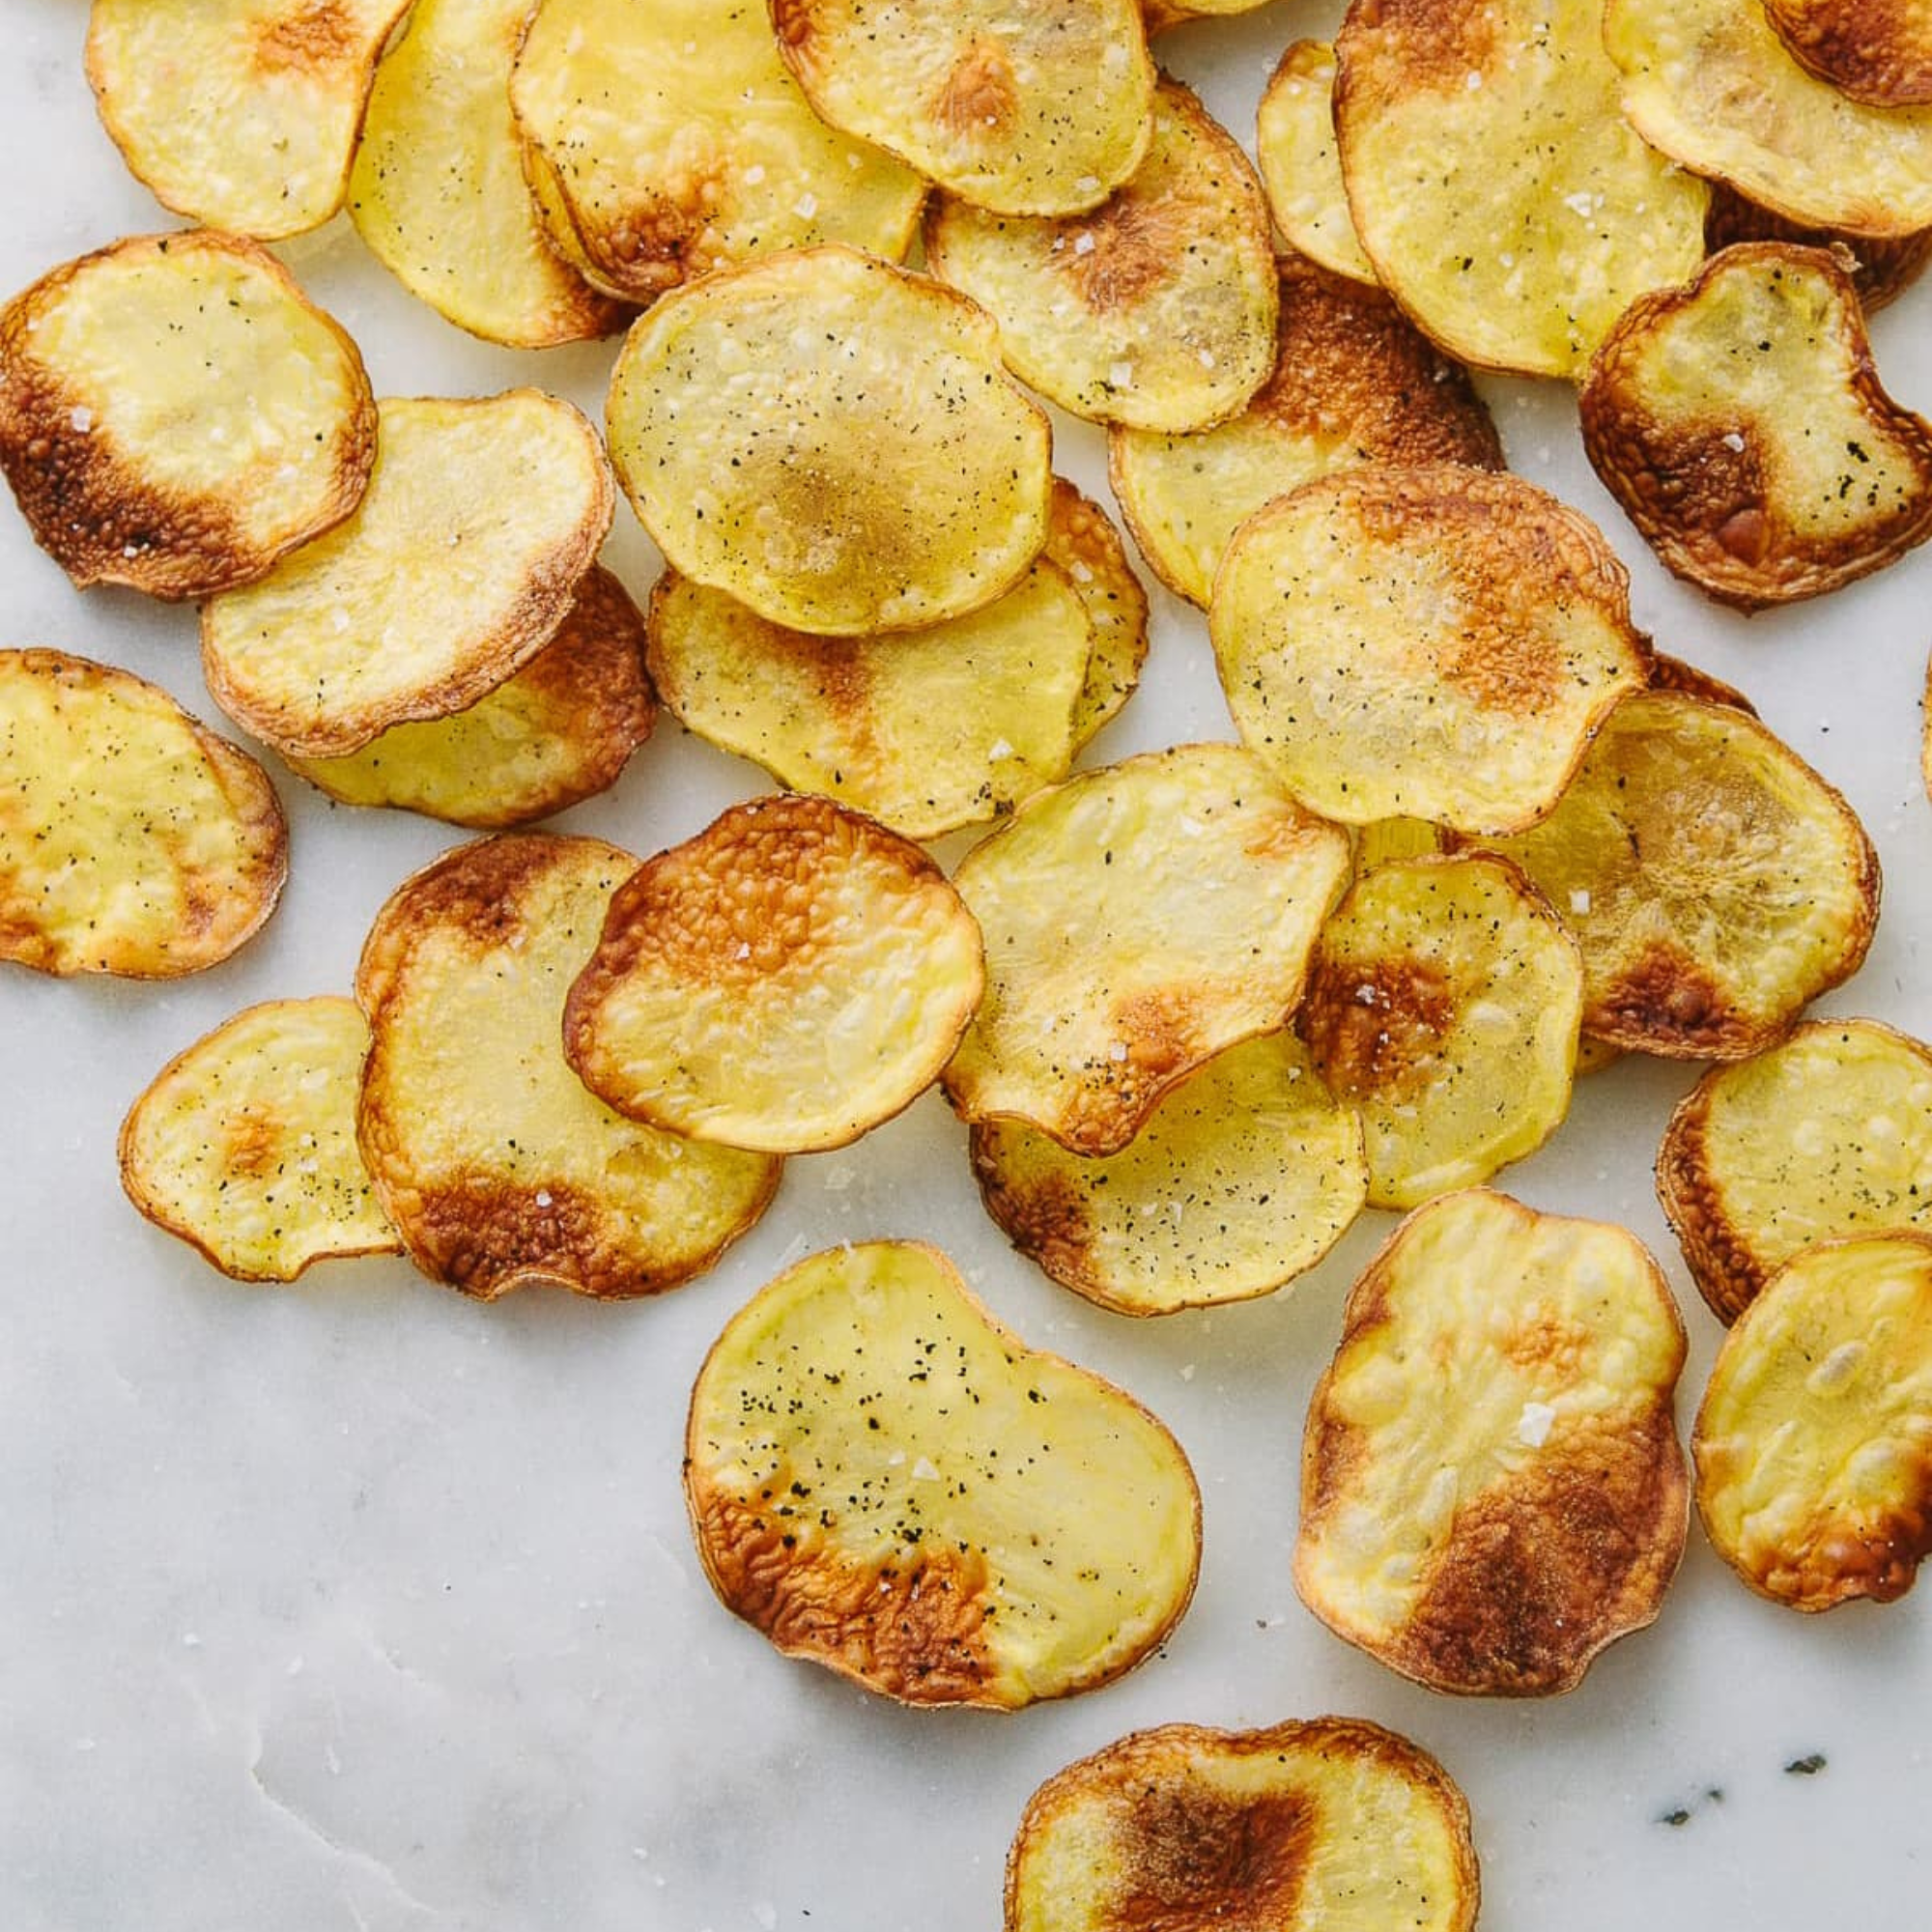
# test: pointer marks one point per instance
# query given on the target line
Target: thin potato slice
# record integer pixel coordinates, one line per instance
(175, 415)
(240, 113)
(1882, 268)
(1330, 1824)
(1353, 382)
(1742, 428)
(1876, 52)
(1492, 1486)
(244, 1143)
(1138, 919)
(1245, 1175)
(481, 520)
(1433, 642)
(1082, 541)
(1300, 166)
(883, 1479)
(788, 979)
(832, 441)
(1713, 880)
(1157, 309)
(133, 840)
(1814, 1441)
(498, 1167)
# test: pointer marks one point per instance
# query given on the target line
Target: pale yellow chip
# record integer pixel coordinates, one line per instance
(133, 840)
(240, 113)
(482, 517)
(786, 980)
(1245, 1175)
(1138, 919)
(885, 1480)
(1385, 839)
(1882, 267)
(1157, 309)
(832, 441)
(1300, 166)
(1431, 642)
(175, 415)
(244, 1143)
(1492, 1486)
(1877, 52)
(1082, 541)
(1814, 1441)
(499, 1168)
(1029, 110)
(1330, 1824)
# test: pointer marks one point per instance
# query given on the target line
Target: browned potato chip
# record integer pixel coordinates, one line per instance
(1882, 267)
(1300, 166)
(1082, 541)
(1877, 52)
(1161, 15)
(883, 1479)
(1688, 680)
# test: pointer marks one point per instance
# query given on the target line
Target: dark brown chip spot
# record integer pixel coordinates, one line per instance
(1136, 241)
(485, 895)
(980, 98)
(487, 1235)
(1665, 1000)
(1196, 1859)
(310, 39)
(1045, 1215)
(1877, 1556)
(1876, 52)
(1429, 43)
(1374, 1027)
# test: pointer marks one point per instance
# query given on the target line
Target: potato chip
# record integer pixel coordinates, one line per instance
(480, 522)
(1384, 840)
(1157, 309)
(883, 1479)
(1300, 166)
(1877, 52)
(786, 980)
(244, 1143)
(1333, 1823)
(500, 1168)
(831, 441)
(1082, 541)
(175, 415)
(133, 840)
(1814, 1442)
(1245, 1175)
(1161, 15)
(1138, 919)
(1492, 1486)
(1430, 642)
(240, 113)
(1882, 267)
(1688, 680)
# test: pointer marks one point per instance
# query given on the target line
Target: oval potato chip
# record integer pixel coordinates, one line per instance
(1300, 166)
(1876, 52)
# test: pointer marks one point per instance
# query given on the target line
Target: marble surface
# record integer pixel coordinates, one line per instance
(354, 1604)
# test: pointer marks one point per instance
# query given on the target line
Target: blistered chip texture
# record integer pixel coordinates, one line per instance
(1878, 51)
(1301, 168)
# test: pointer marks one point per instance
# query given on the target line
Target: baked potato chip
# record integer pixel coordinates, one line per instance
(1026, 110)
(1882, 267)
(1353, 382)
(1688, 680)
(788, 979)
(1814, 1442)
(1384, 840)
(1300, 166)
(1713, 880)
(832, 441)
(883, 1479)
(1082, 541)
(1742, 428)
(1492, 1486)
(481, 520)
(1333, 1823)
(244, 1145)
(240, 113)
(1430, 642)
(175, 415)
(1502, 198)
(1161, 15)
(1825, 1135)
(1245, 1175)
(133, 840)
(497, 1164)
(1138, 919)
(1877, 52)
(1156, 309)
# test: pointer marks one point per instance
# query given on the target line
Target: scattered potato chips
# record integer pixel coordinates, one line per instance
(1882, 267)
(1877, 52)
(883, 1479)
(1301, 168)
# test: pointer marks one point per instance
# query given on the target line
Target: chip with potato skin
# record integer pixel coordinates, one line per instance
(1300, 166)
(1882, 267)
(1877, 52)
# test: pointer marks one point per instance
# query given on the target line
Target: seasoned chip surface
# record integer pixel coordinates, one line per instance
(885, 1480)
(1082, 541)
(1882, 268)
(1877, 52)
(1301, 168)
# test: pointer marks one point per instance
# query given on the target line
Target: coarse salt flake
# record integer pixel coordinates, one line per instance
(1534, 1424)
(923, 1471)
(82, 418)
(1580, 900)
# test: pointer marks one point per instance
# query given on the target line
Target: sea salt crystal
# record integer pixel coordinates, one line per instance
(1534, 1424)
(1580, 900)
(1733, 440)
(1083, 244)
(82, 418)
(805, 206)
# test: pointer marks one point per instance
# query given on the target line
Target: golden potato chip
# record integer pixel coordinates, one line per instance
(1026, 110)
(1688, 680)
(1826, 1135)
(1741, 425)
(1502, 198)
(1157, 309)
(244, 1143)
(481, 520)
(1430, 642)
(786, 980)
(1815, 1476)
(1877, 52)
(832, 441)
(1330, 1824)
(1245, 1175)
(1082, 541)
(240, 113)
(883, 1479)
(175, 415)
(1161, 15)
(1138, 919)
(1353, 382)
(1882, 267)
(497, 1164)
(1492, 1486)
(1713, 880)
(133, 840)
(1300, 166)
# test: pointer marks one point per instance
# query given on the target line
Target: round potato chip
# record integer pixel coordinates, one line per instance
(1300, 166)
(1882, 267)
(1877, 52)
